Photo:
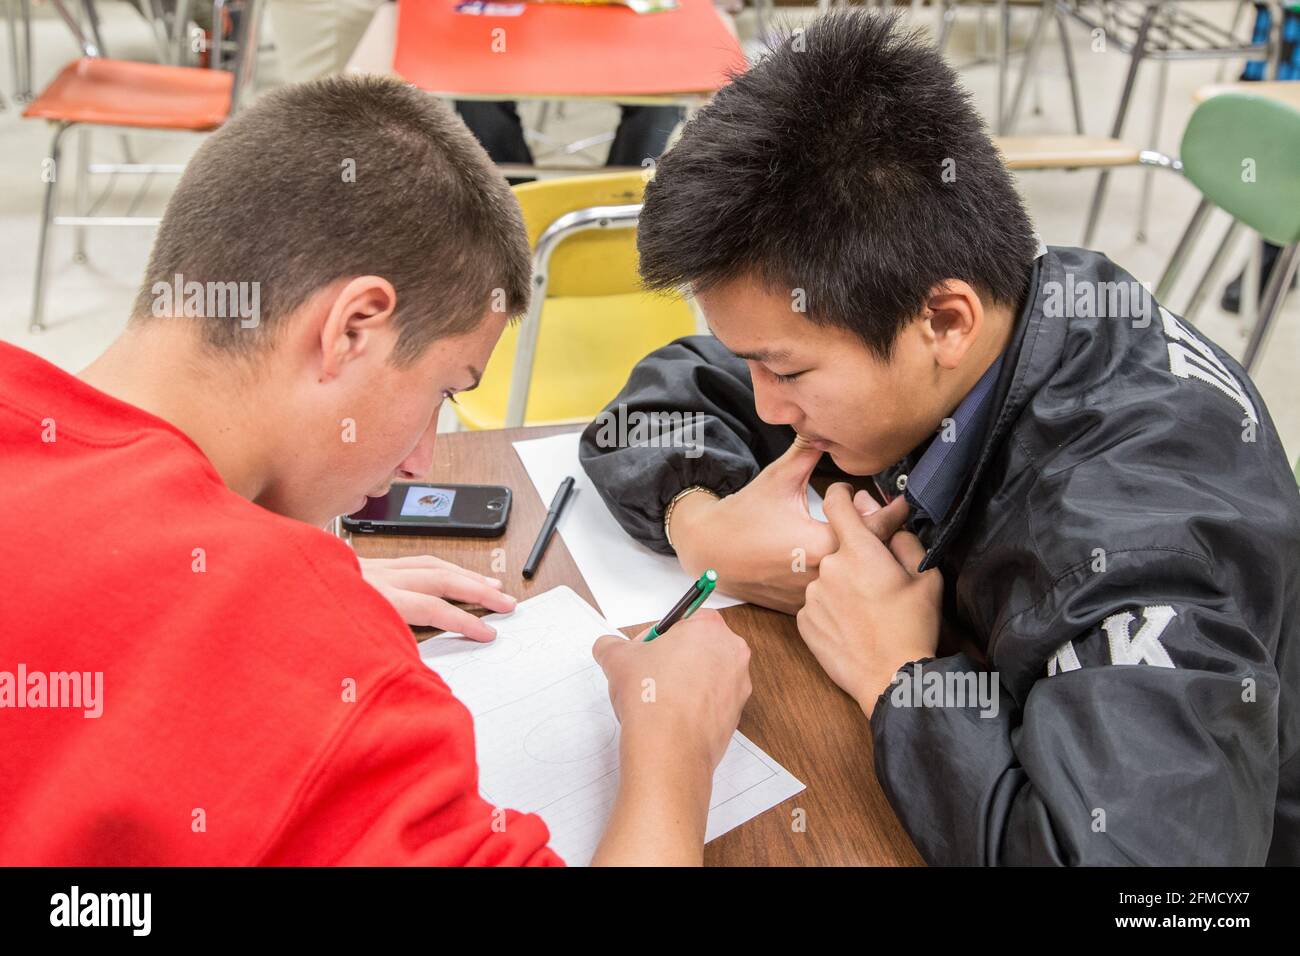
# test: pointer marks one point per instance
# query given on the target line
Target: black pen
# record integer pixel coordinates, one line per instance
(562, 495)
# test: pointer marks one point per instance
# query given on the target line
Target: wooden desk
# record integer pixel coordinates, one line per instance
(796, 714)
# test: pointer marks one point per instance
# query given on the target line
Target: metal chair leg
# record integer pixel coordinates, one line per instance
(1029, 64)
(157, 18)
(11, 21)
(82, 193)
(1004, 58)
(92, 21)
(1121, 114)
(1279, 282)
(181, 33)
(25, 93)
(1248, 307)
(43, 242)
(1210, 277)
(20, 49)
(1184, 247)
(1148, 177)
(1071, 77)
(945, 24)
(12, 25)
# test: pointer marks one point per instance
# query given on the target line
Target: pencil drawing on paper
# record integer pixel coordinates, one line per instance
(565, 738)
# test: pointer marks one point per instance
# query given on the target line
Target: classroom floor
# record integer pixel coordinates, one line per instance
(87, 304)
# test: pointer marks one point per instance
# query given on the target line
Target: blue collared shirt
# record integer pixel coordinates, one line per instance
(937, 477)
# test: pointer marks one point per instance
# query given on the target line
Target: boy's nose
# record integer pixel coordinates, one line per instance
(419, 462)
(774, 410)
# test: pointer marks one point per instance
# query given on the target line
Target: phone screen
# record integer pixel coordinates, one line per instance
(432, 506)
(425, 501)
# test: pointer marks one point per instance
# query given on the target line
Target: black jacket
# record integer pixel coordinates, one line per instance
(1126, 554)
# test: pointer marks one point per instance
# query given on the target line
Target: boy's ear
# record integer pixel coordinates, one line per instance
(954, 317)
(358, 322)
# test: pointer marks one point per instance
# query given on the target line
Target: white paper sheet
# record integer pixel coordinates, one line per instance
(631, 584)
(546, 734)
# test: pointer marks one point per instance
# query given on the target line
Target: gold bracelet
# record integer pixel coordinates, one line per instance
(668, 512)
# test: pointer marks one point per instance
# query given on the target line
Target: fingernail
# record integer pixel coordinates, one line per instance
(496, 581)
(865, 502)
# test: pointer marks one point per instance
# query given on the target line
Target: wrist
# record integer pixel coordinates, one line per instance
(661, 813)
(877, 684)
(657, 755)
(684, 511)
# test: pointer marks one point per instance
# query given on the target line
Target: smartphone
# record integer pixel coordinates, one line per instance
(478, 511)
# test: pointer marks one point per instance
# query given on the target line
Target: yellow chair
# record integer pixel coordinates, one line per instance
(589, 321)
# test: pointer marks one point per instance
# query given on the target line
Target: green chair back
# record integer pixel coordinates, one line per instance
(1243, 153)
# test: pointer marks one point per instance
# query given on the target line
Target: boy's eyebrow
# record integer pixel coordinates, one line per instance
(758, 355)
(764, 355)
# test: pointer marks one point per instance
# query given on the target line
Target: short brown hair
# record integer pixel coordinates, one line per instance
(346, 176)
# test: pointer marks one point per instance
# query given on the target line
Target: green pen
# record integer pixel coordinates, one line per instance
(690, 602)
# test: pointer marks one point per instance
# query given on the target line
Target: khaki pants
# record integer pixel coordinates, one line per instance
(314, 38)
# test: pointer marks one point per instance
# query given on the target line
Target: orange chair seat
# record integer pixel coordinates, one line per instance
(122, 93)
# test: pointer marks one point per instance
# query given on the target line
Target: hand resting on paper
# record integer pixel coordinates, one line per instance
(421, 588)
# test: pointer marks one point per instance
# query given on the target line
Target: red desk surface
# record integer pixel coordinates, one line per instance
(555, 51)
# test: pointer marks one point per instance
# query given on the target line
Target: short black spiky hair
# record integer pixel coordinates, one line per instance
(850, 164)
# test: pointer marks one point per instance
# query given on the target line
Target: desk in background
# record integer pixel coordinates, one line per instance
(557, 51)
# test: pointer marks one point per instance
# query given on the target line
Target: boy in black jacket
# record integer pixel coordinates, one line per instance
(1080, 487)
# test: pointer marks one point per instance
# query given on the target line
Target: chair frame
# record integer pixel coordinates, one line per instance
(1258, 309)
(244, 73)
(20, 49)
(1162, 32)
(1004, 117)
(564, 227)
(1270, 302)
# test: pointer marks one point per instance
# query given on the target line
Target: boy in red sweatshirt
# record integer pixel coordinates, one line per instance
(191, 672)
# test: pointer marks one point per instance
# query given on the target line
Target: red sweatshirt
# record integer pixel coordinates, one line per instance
(257, 701)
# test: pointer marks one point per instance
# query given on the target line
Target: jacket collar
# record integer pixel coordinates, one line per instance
(1032, 355)
(934, 482)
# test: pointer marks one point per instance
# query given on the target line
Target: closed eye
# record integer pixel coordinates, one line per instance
(790, 377)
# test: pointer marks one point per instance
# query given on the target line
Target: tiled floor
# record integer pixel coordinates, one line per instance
(87, 304)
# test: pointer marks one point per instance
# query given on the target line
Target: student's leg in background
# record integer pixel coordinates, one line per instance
(314, 38)
(496, 125)
(1288, 69)
(642, 134)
